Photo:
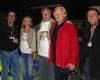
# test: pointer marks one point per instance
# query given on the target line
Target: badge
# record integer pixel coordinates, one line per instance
(11, 37)
(89, 44)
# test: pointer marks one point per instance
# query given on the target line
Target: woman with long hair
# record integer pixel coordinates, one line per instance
(27, 46)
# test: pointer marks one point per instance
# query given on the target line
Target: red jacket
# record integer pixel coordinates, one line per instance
(67, 47)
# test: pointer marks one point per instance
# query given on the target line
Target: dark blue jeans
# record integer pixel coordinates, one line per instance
(10, 58)
(27, 66)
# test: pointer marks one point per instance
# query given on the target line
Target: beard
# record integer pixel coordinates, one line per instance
(93, 23)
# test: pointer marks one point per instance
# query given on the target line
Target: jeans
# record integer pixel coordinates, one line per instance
(10, 58)
(86, 72)
(27, 66)
(46, 70)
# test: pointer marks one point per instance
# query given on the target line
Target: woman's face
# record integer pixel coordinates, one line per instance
(59, 15)
(27, 22)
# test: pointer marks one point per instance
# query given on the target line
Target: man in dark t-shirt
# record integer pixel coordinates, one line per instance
(9, 41)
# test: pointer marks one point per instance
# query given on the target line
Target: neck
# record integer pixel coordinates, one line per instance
(46, 20)
(94, 26)
(25, 29)
(10, 24)
(60, 22)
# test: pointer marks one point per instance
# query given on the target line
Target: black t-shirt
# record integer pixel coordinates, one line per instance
(6, 44)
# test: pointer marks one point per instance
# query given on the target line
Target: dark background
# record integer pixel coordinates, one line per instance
(76, 8)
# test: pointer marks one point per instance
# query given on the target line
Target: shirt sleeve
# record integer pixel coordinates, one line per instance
(74, 46)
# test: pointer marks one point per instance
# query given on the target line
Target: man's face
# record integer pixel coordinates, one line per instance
(92, 17)
(46, 15)
(59, 15)
(11, 17)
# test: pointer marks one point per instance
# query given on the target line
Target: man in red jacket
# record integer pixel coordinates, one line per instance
(63, 45)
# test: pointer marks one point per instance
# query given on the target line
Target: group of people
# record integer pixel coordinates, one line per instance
(53, 43)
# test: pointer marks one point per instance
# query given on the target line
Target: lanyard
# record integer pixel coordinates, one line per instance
(11, 33)
(92, 33)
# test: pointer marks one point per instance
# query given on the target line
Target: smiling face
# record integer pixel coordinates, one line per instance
(59, 14)
(27, 22)
(92, 17)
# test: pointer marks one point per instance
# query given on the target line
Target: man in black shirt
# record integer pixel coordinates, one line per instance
(9, 41)
(90, 47)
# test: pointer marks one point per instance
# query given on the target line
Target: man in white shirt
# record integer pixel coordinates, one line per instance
(46, 70)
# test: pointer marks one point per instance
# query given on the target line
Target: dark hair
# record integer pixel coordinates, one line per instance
(9, 12)
(93, 9)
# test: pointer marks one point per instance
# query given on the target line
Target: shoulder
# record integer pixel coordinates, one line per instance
(69, 25)
(32, 30)
(69, 28)
(54, 23)
(52, 20)
(37, 26)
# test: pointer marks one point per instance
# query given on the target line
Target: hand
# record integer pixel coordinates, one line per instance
(34, 55)
(15, 40)
(71, 66)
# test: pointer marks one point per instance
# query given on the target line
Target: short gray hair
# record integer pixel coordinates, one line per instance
(62, 9)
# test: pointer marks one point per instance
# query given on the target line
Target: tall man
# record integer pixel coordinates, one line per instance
(63, 44)
(90, 48)
(43, 38)
(9, 41)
